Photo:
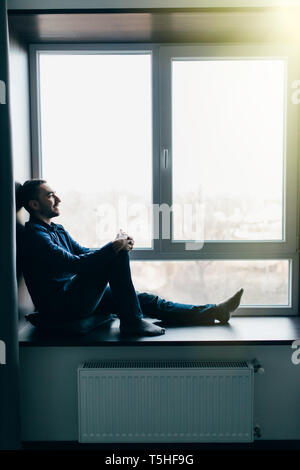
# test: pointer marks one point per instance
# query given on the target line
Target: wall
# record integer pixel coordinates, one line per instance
(49, 388)
(20, 111)
(20, 123)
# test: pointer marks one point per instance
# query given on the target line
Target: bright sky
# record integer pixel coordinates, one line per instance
(227, 118)
(228, 124)
(96, 121)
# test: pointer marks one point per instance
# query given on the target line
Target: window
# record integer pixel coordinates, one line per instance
(96, 147)
(227, 141)
(191, 149)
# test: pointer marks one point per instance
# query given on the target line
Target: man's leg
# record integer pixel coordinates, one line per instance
(124, 294)
(187, 314)
(83, 294)
(175, 313)
(156, 307)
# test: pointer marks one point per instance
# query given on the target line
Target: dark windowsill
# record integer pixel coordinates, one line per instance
(240, 331)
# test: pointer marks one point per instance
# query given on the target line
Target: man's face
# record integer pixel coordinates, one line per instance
(47, 203)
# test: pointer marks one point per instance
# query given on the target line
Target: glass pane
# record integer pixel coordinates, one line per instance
(228, 148)
(265, 282)
(96, 129)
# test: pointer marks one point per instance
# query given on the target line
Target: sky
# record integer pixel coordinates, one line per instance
(227, 121)
(227, 127)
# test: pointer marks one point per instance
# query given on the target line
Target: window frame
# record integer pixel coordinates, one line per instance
(162, 139)
(221, 52)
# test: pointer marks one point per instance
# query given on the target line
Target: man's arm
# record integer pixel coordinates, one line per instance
(125, 243)
(54, 258)
(77, 248)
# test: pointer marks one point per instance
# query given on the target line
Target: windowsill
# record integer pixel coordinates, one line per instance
(240, 331)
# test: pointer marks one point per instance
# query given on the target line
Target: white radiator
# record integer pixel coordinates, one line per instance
(165, 401)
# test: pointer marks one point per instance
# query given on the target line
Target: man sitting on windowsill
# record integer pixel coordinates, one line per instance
(69, 282)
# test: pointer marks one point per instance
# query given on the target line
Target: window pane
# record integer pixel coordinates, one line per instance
(228, 148)
(96, 130)
(265, 282)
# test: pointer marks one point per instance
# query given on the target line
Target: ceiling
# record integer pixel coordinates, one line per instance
(151, 26)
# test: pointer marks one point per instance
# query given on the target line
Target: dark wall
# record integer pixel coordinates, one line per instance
(49, 413)
(20, 123)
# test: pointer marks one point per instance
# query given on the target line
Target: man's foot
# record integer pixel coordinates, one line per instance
(223, 310)
(142, 328)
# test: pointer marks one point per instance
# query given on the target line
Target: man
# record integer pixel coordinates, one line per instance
(67, 281)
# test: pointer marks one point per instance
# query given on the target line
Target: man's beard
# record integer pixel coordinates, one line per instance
(50, 214)
(55, 214)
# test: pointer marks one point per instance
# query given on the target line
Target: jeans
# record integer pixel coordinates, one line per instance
(110, 290)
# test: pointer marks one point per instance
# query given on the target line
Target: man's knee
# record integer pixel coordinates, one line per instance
(120, 262)
(123, 256)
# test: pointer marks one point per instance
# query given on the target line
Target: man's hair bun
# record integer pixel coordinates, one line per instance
(19, 196)
(27, 192)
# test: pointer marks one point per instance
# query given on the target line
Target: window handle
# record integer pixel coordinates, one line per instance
(165, 155)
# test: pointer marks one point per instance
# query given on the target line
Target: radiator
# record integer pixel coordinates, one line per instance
(165, 401)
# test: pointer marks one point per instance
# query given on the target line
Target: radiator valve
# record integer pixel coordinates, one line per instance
(258, 367)
(257, 431)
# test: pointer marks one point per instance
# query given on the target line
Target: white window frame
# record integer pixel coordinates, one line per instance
(162, 55)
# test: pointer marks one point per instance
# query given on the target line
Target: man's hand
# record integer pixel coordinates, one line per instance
(123, 242)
